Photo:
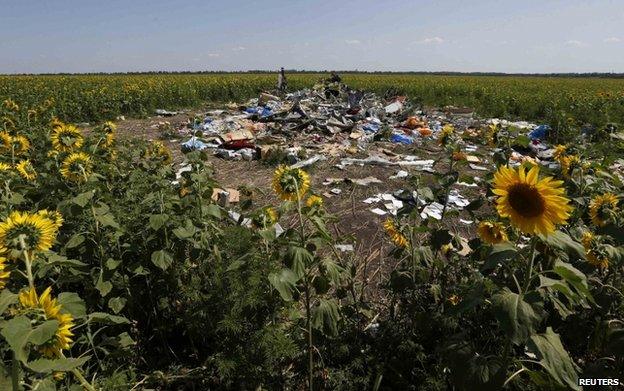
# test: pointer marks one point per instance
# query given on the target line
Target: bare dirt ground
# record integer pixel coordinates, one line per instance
(355, 223)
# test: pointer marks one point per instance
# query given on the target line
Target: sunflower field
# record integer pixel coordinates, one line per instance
(118, 274)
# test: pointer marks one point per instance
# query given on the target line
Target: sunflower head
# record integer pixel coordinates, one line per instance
(445, 134)
(6, 140)
(43, 308)
(533, 205)
(492, 232)
(594, 251)
(53, 215)
(568, 164)
(4, 167)
(108, 131)
(454, 299)
(76, 167)
(265, 218)
(36, 232)
(397, 237)
(158, 152)
(66, 138)
(290, 184)
(603, 208)
(26, 170)
(20, 145)
(10, 105)
(56, 123)
(559, 152)
(314, 201)
(4, 274)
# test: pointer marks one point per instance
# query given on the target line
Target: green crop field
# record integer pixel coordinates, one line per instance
(551, 99)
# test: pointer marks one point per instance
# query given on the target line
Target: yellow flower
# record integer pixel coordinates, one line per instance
(454, 299)
(157, 151)
(602, 208)
(265, 218)
(56, 123)
(592, 252)
(4, 167)
(568, 164)
(532, 205)
(109, 130)
(20, 144)
(4, 274)
(559, 152)
(66, 138)
(6, 140)
(290, 184)
(39, 232)
(26, 170)
(10, 105)
(395, 234)
(445, 134)
(48, 308)
(54, 216)
(492, 232)
(314, 201)
(76, 167)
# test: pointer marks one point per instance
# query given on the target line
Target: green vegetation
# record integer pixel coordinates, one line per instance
(116, 275)
(556, 100)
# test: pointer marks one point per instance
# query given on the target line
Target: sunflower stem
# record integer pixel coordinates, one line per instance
(27, 261)
(15, 372)
(531, 262)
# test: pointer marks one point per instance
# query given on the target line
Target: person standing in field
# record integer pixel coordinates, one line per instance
(281, 80)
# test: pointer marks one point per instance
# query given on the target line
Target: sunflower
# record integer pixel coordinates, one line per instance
(454, 299)
(20, 144)
(54, 216)
(47, 308)
(66, 138)
(76, 167)
(559, 152)
(395, 234)
(26, 170)
(568, 164)
(6, 140)
(157, 151)
(4, 167)
(4, 274)
(10, 105)
(265, 218)
(7, 122)
(108, 128)
(445, 134)
(492, 232)
(56, 123)
(532, 205)
(593, 254)
(39, 232)
(602, 208)
(314, 201)
(290, 184)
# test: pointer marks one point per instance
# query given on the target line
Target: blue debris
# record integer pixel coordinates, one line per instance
(401, 138)
(539, 132)
(262, 111)
(194, 144)
(371, 127)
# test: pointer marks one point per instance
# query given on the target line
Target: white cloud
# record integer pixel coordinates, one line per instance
(214, 55)
(431, 40)
(238, 49)
(577, 43)
(612, 40)
(352, 42)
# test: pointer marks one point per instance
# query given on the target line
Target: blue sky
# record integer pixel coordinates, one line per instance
(399, 35)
